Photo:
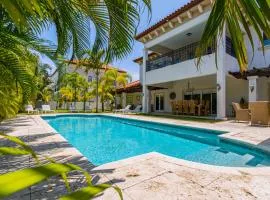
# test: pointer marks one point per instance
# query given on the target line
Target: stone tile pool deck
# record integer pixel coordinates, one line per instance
(149, 176)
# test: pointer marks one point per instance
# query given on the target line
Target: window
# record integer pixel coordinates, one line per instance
(90, 78)
(129, 100)
(266, 40)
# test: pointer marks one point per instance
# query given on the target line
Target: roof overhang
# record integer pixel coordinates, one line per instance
(186, 13)
(260, 72)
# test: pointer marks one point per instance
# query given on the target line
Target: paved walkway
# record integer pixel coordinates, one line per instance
(149, 176)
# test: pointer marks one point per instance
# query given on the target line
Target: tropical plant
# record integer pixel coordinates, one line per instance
(75, 82)
(18, 62)
(118, 79)
(237, 16)
(66, 94)
(115, 22)
(104, 90)
(21, 22)
(94, 61)
(46, 94)
(86, 94)
(19, 180)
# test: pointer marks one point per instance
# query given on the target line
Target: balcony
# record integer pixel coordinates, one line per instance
(183, 54)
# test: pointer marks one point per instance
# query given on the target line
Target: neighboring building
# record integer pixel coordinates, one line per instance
(168, 63)
(131, 94)
(90, 76)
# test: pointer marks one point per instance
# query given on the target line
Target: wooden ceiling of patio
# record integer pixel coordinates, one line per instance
(137, 88)
(262, 72)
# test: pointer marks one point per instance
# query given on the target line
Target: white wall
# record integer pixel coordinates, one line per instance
(259, 60)
(263, 89)
(183, 70)
(236, 89)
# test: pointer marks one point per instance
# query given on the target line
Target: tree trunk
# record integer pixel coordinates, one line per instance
(84, 104)
(102, 103)
(115, 98)
(97, 78)
(75, 98)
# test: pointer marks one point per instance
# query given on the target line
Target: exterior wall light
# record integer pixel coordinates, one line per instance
(252, 88)
(218, 87)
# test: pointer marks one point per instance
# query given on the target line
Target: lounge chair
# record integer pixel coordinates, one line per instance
(240, 113)
(30, 109)
(138, 109)
(126, 109)
(46, 108)
(260, 113)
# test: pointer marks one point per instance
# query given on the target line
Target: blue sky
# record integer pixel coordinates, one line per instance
(161, 8)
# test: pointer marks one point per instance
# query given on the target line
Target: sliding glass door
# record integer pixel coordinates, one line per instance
(159, 102)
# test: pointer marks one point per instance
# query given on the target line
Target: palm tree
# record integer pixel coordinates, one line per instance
(94, 61)
(115, 22)
(46, 94)
(22, 22)
(66, 94)
(237, 15)
(118, 79)
(76, 82)
(104, 90)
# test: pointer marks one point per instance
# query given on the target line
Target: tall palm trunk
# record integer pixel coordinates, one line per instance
(115, 106)
(102, 103)
(97, 78)
(84, 101)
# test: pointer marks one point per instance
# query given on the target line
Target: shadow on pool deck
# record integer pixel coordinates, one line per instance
(49, 144)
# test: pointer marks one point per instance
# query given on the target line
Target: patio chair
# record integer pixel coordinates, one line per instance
(46, 108)
(206, 108)
(185, 107)
(192, 107)
(138, 109)
(30, 109)
(126, 109)
(240, 113)
(260, 113)
(180, 107)
(174, 107)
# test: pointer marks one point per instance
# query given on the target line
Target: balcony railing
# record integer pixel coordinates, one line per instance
(184, 54)
(177, 56)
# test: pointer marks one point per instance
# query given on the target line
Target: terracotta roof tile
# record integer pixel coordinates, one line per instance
(176, 13)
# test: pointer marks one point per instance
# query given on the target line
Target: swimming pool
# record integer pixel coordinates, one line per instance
(103, 139)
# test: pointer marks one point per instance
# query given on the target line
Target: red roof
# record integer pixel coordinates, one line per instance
(176, 13)
(150, 55)
(131, 87)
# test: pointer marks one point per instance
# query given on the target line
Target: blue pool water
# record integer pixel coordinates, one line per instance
(106, 139)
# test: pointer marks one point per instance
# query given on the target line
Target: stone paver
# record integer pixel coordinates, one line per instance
(149, 176)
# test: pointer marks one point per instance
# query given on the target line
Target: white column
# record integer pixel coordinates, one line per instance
(252, 88)
(221, 76)
(124, 100)
(145, 102)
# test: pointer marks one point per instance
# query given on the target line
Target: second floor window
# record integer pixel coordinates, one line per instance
(90, 79)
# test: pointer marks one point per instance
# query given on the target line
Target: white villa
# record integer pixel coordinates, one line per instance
(90, 77)
(168, 70)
